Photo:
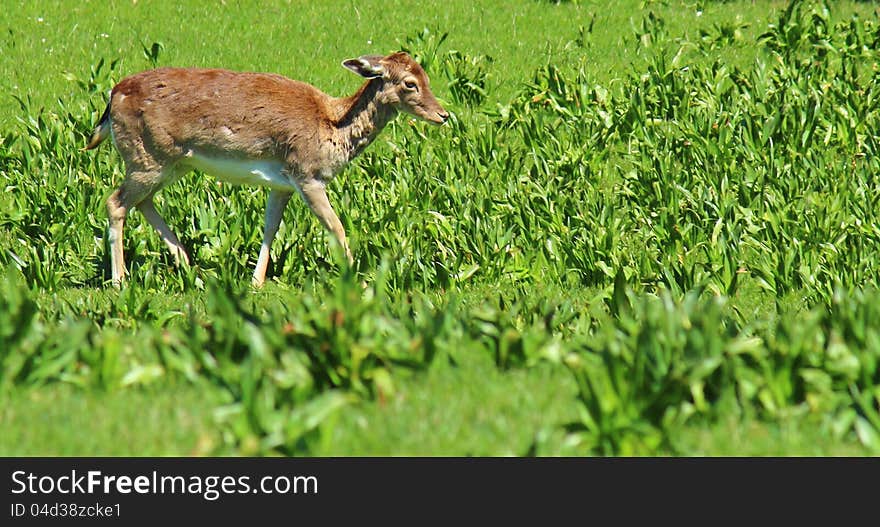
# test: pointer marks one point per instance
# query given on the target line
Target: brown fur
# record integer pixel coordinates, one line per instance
(164, 120)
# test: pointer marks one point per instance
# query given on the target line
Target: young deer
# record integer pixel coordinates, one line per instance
(250, 128)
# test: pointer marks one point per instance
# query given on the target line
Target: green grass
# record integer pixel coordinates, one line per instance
(787, 437)
(41, 42)
(483, 412)
(647, 230)
(59, 420)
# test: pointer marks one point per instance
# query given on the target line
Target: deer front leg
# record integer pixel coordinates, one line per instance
(274, 211)
(315, 195)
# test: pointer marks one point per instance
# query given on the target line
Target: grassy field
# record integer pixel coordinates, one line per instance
(649, 229)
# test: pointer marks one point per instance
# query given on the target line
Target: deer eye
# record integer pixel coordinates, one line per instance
(410, 84)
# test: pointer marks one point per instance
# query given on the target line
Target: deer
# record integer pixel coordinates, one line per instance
(249, 128)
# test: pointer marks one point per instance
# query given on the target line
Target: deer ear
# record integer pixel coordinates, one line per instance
(367, 66)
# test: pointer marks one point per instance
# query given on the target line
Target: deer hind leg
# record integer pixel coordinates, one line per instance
(118, 205)
(275, 205)
(315, 195)
(148, 209)
(136, 191)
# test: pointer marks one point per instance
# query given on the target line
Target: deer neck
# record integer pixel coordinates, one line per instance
(363, 116)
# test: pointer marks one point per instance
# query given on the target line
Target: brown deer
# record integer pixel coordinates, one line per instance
(249, 128)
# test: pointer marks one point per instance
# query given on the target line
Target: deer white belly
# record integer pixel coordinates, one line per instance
(259, 172)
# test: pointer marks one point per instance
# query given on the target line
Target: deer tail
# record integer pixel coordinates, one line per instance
(101, 131)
